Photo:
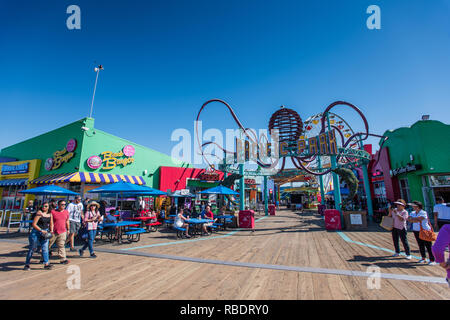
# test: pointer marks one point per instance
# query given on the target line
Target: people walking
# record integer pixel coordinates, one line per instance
(419, 219)
(75, 210)
(61, 227)
(42, 230)
(90, 220)
(442, 242)
(441, 213)
(400, 216)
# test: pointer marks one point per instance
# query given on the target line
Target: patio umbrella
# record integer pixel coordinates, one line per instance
(50, 190)
(121, 187)
(220, 190)
(344, 191)
(126, 188)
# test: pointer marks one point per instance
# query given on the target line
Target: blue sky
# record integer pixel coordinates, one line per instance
(164, 59)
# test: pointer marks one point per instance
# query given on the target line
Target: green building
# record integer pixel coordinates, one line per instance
(79, 157)
(420, 162)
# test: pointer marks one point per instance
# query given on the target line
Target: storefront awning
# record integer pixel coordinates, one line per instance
(87, 177)
(13, 182)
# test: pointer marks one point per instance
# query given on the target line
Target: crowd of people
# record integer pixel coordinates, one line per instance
(419, 223)
(59, 223)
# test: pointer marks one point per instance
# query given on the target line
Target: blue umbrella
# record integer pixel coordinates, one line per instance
(50, 190)
(220, 190)
(344, 191)
(125, 187)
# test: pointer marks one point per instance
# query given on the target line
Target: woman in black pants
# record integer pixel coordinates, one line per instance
(400, 216)
(418, 217)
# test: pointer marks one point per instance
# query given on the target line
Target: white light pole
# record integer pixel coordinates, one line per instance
(96, 69)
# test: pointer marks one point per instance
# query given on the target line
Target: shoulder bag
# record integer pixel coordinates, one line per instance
(387, 223)
(427, 235)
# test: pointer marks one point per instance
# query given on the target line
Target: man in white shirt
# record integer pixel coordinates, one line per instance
(441, 213)
(75, 209)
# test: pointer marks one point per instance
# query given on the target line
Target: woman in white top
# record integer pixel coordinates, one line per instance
(419, 217)
(180, 222)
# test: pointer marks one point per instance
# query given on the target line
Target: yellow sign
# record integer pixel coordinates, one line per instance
(60, 157)
(111, 160)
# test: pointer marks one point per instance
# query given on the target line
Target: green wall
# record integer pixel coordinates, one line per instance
(428, 142)
(97, 141)
(89, 143)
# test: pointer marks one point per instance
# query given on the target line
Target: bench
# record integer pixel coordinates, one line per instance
(134, 234)
(180, 231)
(108, 231)
(213, 227)
(169, 222)
(153, 225)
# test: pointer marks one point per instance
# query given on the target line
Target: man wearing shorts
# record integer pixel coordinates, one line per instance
(75, 211)
(441, 213)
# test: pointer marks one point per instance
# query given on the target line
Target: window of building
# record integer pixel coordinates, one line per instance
(404, 190)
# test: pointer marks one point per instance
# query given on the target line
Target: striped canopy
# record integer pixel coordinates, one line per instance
(13, 182)
(88, 177)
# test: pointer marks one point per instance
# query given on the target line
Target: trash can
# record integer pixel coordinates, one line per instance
(332, 219)
(321, 208)
(247, 219)
(271, 209)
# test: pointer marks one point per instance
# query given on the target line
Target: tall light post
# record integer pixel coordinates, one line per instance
(97, 70)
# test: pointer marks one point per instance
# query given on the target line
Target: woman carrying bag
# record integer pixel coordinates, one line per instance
(41, 233)
(400, 216)
(90, 220)
(420, 222)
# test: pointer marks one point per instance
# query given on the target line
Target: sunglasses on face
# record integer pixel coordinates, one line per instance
(62, 204)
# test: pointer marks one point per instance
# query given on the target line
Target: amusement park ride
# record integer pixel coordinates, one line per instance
(323, 147)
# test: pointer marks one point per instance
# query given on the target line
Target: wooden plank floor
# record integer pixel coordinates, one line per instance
(287, 239)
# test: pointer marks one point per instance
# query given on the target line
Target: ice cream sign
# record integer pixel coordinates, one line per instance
(110, 159)
(61, 156)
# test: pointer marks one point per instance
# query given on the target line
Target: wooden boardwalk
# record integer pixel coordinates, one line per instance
(289, 256)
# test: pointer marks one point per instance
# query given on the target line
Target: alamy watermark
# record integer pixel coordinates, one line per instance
(73, 22)
(374, 20)
(74, 280)
(374, 280)
(215, 146)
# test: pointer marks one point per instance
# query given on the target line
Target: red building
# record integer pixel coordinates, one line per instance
(175, 178)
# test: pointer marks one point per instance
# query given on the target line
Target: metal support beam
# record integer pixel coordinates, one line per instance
(266, 197)
(336, 184)
(241, 188)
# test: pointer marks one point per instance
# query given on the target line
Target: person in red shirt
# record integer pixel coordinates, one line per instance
(207, 214)
(61, 226)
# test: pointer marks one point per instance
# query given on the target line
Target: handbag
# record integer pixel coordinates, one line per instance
(427, 235)
(387, 223)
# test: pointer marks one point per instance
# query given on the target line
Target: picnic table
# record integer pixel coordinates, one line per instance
(197, 224)
(124, 228)
(223, 219)
(143, 220)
